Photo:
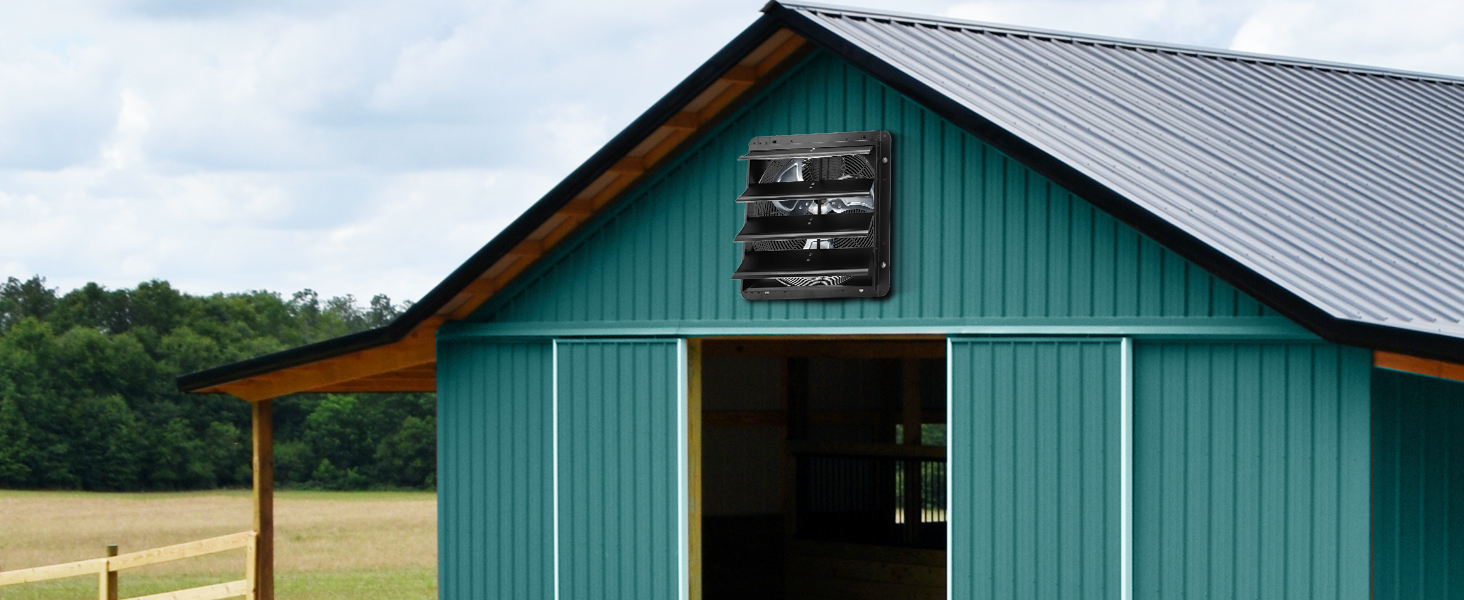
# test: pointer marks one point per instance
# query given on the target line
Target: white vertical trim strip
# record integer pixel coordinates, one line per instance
(683, 477)
(1126, 470)
(950, 460)
(554, 453)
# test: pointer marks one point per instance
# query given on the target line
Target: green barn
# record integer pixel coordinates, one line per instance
(1069, 317)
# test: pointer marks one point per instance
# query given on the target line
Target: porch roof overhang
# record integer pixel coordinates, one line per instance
(401, 356)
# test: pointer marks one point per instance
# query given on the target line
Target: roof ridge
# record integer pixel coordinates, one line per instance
(1123, 43)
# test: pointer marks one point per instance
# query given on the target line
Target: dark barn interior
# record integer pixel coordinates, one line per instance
(823, 469)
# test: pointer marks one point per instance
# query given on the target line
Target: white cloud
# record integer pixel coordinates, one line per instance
(371, 146)
(1417, 35)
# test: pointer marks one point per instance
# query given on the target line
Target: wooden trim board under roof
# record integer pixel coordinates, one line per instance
(1418, 366)
(409, 364)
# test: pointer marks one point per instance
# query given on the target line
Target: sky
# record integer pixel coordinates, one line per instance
(364, 147)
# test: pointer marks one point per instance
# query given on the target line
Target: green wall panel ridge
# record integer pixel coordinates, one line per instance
(494, 475)
(1418, 486)
(976, 234)
(1035, 461)
(618, 471)
(1251, 471)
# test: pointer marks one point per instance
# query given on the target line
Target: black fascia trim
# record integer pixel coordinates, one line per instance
(1304, 313)
(618, 146)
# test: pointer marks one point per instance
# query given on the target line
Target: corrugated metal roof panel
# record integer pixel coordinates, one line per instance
(1343, 185)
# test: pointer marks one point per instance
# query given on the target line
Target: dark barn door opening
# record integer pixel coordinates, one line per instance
(823, 468)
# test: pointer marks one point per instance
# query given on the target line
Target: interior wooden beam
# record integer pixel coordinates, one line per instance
(1418, 366)
(845, 348)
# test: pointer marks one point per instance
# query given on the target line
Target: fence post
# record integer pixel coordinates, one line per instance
(107, 578)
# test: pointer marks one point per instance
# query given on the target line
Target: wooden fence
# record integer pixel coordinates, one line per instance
(106, 569)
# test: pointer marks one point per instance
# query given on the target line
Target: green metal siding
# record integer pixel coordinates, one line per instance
(1035, 462)
(494, 484)
(977, 235)
(1251, 471)
(1418, 481)
(619, 468)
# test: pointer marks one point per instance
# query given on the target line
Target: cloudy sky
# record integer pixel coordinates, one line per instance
(362, 147)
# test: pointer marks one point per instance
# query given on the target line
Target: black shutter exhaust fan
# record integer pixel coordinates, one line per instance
(818, 216)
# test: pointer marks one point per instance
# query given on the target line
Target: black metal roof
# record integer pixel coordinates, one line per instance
(1333, 193)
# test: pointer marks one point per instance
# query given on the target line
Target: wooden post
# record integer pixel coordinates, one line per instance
(263, 567)
(108, 578)
(694, 467)
(795, 407)
(910, 425)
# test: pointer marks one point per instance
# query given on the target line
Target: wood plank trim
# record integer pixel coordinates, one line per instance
(527, 249)
(420, 347)
(741, 74)
(1418, 366)
(694, 423)
(685, 120)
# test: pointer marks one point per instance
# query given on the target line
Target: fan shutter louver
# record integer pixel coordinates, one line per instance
(817, 216)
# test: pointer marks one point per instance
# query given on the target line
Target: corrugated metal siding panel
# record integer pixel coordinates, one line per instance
(1342, 187)
(976, 234)
(1035, 458)
(618, 495)
(494, 485)
(1251, 471)
(1418, 481)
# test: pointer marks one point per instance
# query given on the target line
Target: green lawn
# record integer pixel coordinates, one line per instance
(329, 545)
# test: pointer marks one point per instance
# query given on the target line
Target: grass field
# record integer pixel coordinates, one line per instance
(329, 545)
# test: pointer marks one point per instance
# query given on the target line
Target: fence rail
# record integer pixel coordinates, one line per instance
(106, 569)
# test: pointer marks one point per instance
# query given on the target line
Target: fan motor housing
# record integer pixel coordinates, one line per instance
(817, 218)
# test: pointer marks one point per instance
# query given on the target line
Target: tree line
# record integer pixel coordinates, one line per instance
(88, 399)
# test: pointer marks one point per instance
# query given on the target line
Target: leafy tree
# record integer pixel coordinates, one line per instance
(14, 444)
(87, 399)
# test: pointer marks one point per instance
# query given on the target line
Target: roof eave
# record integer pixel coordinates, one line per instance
(511, 236)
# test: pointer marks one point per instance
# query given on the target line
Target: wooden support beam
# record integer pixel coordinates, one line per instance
(263, 439)
(910, 426)
(694, 467)
(1419, 366)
